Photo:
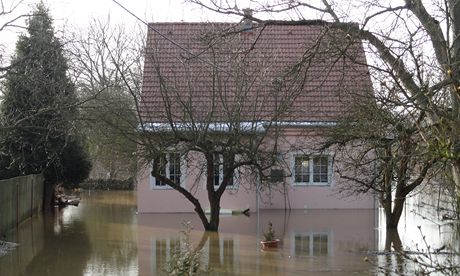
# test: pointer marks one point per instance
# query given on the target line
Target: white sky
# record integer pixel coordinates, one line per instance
(72, 14)
(80, 12)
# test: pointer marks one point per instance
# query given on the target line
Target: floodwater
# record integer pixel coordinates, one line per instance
(105, 236)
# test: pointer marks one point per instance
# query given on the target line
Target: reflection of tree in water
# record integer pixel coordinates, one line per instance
(65, 253)
(393, 243)
(391, 262)
(112, 232)
(221, 252)
(215, 253)
(99, 236)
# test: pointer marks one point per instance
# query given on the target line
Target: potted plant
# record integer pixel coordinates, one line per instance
(269, 238)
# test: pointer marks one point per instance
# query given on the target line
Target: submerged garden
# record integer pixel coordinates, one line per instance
(74, 132)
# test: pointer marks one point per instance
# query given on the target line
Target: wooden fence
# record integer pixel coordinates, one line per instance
(20, 198)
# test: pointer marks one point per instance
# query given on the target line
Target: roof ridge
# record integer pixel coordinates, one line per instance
(193, 23)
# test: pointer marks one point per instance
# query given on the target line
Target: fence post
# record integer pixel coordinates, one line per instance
(32, 209)
(17, 203)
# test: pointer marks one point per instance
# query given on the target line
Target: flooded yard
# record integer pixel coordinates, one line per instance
(105, 236)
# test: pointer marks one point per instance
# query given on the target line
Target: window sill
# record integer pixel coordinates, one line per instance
(319, 184)
(159, 188)
(231, 188)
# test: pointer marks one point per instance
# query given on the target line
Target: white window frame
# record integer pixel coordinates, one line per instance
(152, 180)
(311, 181)
(221, 176)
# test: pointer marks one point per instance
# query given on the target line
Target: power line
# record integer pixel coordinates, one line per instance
(163, 36)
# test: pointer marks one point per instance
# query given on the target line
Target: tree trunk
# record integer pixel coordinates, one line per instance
(213, 197)
(456, 177)
(395, 215)
(203, 218)
(393, 240)
(454, 6)
(215, 212)
(387, 209)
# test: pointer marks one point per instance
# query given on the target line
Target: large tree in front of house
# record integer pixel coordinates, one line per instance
(212, 102)
(414, 49)
(39, 107)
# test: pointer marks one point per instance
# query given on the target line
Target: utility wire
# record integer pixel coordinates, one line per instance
(164, 36)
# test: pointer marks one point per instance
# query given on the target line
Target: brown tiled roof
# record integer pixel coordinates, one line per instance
(288, 73)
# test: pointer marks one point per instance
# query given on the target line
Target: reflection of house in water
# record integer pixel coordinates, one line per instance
(218, 251)
(311, 241)
(222, 252)
(162, 250)
(307, 244)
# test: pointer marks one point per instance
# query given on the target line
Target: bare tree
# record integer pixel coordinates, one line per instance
(222, 128)
(107, 58)
(9, 18)
(414, 49)
(379, 147)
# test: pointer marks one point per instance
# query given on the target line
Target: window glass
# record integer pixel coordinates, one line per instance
(163, 162)
(311, 169)
(320, 167)
(170, 167)
(302, 169)
(220, 164)
(217, 169)
(174, 167)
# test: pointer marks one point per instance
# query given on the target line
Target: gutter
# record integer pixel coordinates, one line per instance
(259, 127)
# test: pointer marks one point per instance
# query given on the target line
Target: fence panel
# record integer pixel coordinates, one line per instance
(20, 198)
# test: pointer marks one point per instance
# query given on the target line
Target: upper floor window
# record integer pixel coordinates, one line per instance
(312, 170)
(170, 167)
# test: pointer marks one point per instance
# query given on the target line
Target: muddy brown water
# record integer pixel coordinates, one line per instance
(105, 236)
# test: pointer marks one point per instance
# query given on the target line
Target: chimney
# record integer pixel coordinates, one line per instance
(246, 25)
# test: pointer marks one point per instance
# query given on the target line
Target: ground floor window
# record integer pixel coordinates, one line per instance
(312, 170)
(170, 167)
(221, 163)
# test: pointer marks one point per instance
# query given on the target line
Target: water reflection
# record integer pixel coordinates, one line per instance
(70, 248)
(420, 230)
(311, 244)
(96, 238)
(328, 241)
(104, 236)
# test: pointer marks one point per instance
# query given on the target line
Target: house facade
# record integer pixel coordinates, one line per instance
(290, 83)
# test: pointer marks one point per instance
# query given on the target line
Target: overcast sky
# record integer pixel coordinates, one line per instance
(71, 14)
(80, 12)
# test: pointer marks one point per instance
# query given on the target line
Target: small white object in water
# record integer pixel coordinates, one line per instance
(6, 247)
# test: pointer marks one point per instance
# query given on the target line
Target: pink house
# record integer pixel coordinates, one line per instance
(291, 83)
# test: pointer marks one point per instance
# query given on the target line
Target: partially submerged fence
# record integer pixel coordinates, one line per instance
(20, 198)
